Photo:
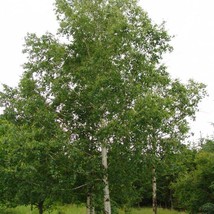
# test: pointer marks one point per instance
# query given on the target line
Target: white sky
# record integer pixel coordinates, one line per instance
(191, 21)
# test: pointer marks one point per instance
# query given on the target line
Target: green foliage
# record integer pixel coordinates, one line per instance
(208, 146)
(32, 148)
(111, 61)
(207, 208)
(194, 188)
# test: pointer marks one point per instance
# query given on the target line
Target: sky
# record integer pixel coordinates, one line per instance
(189, 21)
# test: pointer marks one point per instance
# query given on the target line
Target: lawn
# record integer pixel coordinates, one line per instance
(149, 211)
(72, 209)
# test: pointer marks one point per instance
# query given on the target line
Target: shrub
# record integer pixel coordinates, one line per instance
(207, 208)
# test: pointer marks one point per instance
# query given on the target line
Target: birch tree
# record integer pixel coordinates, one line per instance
(164, 116)
(110, 57)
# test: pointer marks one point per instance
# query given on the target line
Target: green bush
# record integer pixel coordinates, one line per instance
(207, 208)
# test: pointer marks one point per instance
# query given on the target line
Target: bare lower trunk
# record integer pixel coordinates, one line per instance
(171, 201)
(154, 191)
(89, 204)
(107, 204)
(40, 207)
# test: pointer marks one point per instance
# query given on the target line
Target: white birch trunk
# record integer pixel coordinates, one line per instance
(154, 191)
(107, 204)
(89, 205)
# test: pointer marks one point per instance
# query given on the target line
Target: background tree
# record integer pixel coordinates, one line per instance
(194, 187)
(162, 114)
(34, 167)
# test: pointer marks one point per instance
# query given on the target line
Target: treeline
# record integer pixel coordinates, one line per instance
(96, 118)
(193, 185)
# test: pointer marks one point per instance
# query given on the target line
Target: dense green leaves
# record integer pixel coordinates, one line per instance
(33, 148)
(194, 187)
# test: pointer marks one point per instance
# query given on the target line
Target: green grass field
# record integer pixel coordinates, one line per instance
(149, 211)
(81, 210)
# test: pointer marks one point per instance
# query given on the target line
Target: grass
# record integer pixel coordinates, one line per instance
(73, 209)
(149, 211)
(67, 209)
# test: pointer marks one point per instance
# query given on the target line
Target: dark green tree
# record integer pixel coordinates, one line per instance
(33, 146)
(194, 187)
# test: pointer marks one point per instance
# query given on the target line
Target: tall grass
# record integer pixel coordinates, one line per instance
(73, 209)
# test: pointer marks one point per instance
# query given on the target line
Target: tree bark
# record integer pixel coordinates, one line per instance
(171, 200)
(154, 191)
(40, 207)
(89, 204)
(107, 203)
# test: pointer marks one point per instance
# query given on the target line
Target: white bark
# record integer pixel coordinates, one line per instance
(154, 191)
(107, 204)
(89, 205)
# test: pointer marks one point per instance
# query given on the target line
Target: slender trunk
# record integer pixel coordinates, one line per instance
(40, 207)
(154, 191)
(89, 204)
(107, 204)
(171, 201)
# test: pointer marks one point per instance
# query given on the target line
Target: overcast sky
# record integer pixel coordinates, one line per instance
(190, 21)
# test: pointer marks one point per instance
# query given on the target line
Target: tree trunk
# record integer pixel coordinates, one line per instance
(154, 191)
(107, 204)
(40, 207)
(171, 200)
(89, 204)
